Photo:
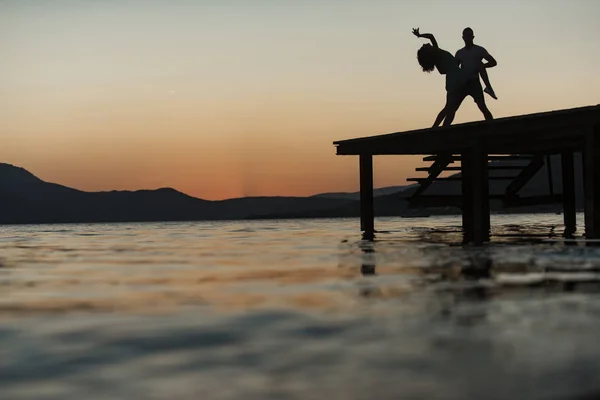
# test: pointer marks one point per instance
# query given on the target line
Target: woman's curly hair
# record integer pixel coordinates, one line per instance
(426, 57)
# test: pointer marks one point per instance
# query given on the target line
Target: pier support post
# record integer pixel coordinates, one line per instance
(475, 195)
(466, 167)
(367, 213)
(591, 184)
(568, 189)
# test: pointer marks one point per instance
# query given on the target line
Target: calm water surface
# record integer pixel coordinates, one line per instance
(298, 309)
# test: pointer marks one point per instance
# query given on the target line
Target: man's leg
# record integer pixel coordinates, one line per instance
(483, 108)
(474, 90)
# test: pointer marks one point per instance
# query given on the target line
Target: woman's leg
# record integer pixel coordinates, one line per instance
(485, 78)
(453, 101)
(488, 86)
(439, 118)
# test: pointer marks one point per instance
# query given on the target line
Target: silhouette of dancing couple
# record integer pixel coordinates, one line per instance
(462, 73)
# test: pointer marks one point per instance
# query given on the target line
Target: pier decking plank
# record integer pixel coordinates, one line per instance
(509, 135)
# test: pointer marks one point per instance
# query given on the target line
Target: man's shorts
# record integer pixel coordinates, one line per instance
(471, 88)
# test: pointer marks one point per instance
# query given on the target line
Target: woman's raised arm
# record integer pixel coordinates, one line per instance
(429, 36)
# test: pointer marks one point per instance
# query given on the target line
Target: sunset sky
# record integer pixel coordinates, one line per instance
(229, 98)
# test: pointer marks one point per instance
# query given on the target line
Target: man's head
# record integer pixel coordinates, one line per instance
(468, 36)
(426, 57)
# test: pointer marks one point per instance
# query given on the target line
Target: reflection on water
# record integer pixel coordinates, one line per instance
(298, 309)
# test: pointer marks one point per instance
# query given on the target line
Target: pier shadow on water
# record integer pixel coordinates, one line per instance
(522, 260)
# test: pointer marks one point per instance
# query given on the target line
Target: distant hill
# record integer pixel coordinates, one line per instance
(26, 199)
(356, 195)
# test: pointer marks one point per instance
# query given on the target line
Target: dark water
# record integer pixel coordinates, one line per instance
(298, 309)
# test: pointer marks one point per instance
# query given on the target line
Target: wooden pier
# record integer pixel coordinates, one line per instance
(532, 137)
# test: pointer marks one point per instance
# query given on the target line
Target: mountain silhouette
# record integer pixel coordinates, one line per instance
(356, 195)
(26, 199)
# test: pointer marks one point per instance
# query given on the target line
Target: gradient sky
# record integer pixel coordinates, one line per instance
(226, 98)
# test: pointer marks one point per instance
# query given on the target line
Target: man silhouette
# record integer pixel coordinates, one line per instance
(470, 59)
